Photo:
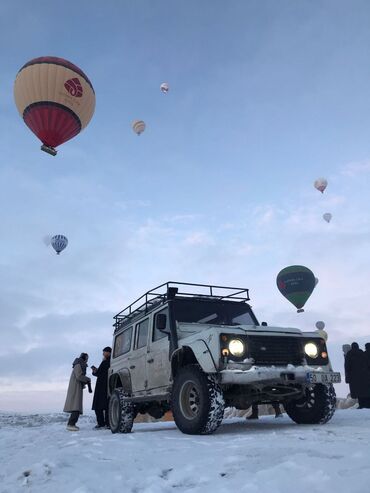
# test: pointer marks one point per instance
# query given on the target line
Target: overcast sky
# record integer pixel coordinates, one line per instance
(265, 97)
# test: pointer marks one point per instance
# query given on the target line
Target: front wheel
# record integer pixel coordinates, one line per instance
(121, 413)
(197, 401)
(317, 406)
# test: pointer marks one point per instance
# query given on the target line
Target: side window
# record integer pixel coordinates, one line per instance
(142, 333)
(122, 344)
(157, 334)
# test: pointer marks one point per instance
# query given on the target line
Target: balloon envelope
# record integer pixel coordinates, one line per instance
(296, 284)
(59, 243)
(55, 99)
(320, 325)
(327, 217)
(165, 87)
(321, 184)
(138, 126)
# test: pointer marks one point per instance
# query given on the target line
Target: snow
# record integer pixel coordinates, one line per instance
(272, 455)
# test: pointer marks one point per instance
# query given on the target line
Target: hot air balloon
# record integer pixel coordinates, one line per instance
(296, 283)
(320, 326)
(55, 99)
(138, 126)
(59, 243)
(327, 217)
(320, 184)
(165, 87)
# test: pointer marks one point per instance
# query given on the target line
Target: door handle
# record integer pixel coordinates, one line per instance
(132, 367)
(151, 360)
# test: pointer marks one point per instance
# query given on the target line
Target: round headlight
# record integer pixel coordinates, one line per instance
(311, 350)
(236, 347)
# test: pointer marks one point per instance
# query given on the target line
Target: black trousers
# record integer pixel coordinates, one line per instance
(102, 417)
(73, 418)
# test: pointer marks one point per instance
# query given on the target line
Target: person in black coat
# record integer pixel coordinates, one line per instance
(357, 374)
(367, 355)
(100, 401)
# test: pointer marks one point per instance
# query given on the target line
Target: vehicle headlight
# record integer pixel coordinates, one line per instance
(311, 350)
(236, 347)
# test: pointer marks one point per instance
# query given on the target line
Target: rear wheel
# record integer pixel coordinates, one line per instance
(121, 412)
(197, 401)
(317, 406)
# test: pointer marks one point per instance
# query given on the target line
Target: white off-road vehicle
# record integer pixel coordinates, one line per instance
(196, 349)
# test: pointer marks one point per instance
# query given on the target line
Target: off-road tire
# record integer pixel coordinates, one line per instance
(316, 407)
(197, 401)
(121, 412)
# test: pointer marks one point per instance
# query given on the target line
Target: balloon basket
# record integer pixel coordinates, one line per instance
(50, 150)
(300, 310)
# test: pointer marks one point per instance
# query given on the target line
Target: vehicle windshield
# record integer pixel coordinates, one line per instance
(214, 312)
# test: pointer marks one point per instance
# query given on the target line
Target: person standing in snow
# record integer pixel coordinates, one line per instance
(77, 383)
(275, 405)
(367, 357)
(357, 374)
(100, 402)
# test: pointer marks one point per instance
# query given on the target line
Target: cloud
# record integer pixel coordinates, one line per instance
(356, 168)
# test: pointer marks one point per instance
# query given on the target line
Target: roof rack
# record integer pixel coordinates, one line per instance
(159, 294)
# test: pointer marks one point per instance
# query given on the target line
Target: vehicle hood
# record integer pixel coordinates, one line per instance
(185, 329)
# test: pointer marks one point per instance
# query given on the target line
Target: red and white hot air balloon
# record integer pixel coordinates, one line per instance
(55, 99)
(321, 184)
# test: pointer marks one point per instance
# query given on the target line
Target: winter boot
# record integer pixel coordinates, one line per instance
(72, 428)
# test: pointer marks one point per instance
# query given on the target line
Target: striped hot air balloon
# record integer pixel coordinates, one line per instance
(55, 99)
(138, 126)
(59, 243)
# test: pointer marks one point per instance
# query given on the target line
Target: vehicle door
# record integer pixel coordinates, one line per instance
(120, 357)
(138, 357)
(158, 364)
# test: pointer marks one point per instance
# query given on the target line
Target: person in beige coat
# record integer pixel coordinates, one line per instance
(77, 383)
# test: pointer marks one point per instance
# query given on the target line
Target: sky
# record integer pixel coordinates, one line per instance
(264, 98)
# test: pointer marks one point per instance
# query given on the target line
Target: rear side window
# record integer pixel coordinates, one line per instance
(122, 344)
(157, 334)
(142, 333)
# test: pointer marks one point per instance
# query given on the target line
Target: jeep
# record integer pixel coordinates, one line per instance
(195, 349)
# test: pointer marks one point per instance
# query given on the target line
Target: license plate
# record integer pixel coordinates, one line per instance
(319, 377)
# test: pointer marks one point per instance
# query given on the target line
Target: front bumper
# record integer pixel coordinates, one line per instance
(282, 375)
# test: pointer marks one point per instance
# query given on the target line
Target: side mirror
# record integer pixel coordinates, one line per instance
(161, 322)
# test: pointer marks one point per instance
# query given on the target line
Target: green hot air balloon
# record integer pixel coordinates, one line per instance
(296, 283)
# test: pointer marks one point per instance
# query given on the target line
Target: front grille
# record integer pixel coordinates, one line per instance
(275, 350)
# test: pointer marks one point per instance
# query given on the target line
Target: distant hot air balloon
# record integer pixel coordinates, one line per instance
(320, 326)
(59, 243)
(47, 240)
(165, 87)
(320, 184)
(55, 99)
(138, 126)
(327, 217)
(296, 283)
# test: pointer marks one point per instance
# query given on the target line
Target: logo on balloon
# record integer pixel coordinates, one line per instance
(74, 87)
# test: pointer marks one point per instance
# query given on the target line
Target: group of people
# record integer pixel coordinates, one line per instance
(357, 370)
(78, 381)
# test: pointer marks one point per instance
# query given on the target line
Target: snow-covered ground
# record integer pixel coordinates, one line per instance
(271, 455)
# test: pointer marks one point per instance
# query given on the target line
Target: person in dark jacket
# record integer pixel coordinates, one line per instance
(357, 375)
(100, 401)
(367, 356)
(77, 383)
(275, 405)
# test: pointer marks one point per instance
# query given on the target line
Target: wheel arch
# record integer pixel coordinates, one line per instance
(194, 353)
(120, 379)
